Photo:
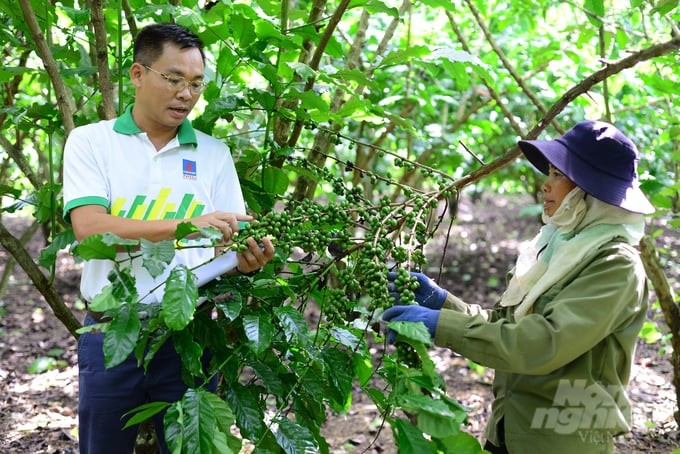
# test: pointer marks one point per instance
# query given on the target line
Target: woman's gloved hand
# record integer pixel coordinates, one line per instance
(428, 293)
(429, 317)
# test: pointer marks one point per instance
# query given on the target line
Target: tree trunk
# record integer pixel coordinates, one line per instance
(670, 309)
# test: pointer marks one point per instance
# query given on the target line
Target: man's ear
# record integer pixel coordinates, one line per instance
(136, 71)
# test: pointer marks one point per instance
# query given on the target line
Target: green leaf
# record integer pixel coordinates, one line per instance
(189, 351)
(123, 284)
(105, 300)
(185, 229)
(293, 438)
(435, 417)
(121, 336)
(403, 56)
(224, 415)
(409, 439)
(246, 406)
(339, 366)
(271, 381)
(111, 239)
(311, 101)
(375, 7)
(6, 190)
(173, 425)
(42, 364)
(144, 412)
(312, 383)
(231, 306)
(596, 7)
(93, 247)
(220, 444)
(198, 422)
(265, 30)
(456, 56)
(259, 331)
(344, 337)
(664, 7)
(363, 368)
(257, 198)
(48, 256)
(275, 180)
(302, 70)
(414, 331)
(44, 201)
(156, 256)
(447, 5)
(293, 323)
(179, 299)
(462, 443)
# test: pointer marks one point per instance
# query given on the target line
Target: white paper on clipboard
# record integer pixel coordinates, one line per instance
(206, 272)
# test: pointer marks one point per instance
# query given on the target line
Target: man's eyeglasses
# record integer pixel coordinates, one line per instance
(179, 83)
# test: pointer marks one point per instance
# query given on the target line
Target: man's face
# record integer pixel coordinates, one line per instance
(158, 103)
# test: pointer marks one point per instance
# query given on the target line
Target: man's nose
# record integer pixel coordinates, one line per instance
(184, 93)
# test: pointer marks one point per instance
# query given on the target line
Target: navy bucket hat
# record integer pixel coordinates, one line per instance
(598, 158)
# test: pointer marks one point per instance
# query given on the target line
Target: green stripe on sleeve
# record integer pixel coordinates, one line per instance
(82, 201)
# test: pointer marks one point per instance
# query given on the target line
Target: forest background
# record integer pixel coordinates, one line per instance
(355, 125)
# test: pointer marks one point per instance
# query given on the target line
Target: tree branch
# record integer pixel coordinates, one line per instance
(48, 292)
(316, 59)
(506, 63)
(102, 58)
(20, 159)
(64, 97)
(282, 123)
(306, 187)
(492, 91)
(633, 59)
(9, 264)
(670, 309)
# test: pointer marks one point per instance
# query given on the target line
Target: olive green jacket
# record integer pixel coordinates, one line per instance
(562, 370)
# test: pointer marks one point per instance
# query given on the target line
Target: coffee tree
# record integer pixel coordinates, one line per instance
(353, 124)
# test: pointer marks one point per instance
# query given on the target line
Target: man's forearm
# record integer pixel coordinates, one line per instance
(90, 223)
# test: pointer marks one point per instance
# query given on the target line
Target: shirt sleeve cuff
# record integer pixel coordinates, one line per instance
(451, 329)
(454, 303)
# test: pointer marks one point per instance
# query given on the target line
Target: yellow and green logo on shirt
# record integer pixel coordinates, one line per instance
(157, 208)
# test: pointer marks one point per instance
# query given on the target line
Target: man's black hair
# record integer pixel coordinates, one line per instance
(151, 39)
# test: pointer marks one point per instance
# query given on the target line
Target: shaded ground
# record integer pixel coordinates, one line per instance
(38, 412)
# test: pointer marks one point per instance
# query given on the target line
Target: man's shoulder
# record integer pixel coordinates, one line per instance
(207, 142)
(101, 125)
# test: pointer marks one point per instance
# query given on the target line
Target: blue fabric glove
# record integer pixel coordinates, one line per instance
(428, 293)
(414, 313)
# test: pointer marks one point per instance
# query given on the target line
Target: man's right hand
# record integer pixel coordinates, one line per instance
(227, 223)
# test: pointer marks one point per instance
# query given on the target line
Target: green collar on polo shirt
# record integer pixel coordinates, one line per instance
(125, 124)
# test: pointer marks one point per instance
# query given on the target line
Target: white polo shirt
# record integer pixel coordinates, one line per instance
(113, 163)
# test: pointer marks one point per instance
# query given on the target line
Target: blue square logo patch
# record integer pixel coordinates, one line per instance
(189, 169)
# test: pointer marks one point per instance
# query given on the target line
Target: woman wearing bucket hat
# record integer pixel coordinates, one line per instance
(562, 337)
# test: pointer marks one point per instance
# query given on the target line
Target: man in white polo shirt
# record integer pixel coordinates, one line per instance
(139, 176)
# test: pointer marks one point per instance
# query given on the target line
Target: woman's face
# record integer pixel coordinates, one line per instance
(555, 189)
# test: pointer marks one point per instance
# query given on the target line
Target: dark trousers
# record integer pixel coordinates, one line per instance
(493, 449)
(105, 395)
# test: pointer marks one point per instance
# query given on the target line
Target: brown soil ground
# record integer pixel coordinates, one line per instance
(38, 412)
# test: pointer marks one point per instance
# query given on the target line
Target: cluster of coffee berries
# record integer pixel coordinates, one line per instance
(406, 285)
(407, 355)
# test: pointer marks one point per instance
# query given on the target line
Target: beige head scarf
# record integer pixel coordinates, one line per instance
(573, 234)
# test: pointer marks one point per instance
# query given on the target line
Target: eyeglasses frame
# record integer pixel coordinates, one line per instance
(182, 82)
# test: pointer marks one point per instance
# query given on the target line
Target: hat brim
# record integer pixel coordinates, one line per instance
(608, 188)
